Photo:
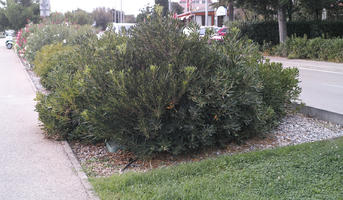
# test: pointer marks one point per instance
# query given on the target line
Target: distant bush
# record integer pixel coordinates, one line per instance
(55, 33)
(161, 91)
(318, 49)
(268, 31)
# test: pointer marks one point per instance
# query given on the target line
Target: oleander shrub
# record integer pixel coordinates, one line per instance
(280, 87)
(47, 60)
(158, 90)
(60, 108)
(54, 33)
(164, 92)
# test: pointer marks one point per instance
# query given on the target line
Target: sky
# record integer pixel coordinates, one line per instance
(129, 6)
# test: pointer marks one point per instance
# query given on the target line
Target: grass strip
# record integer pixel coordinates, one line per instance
(307, 171)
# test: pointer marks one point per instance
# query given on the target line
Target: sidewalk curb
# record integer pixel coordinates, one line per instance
(66, 147)
(320, 114)
(79, 171)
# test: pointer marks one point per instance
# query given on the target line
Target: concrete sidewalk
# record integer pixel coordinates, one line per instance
(321, 83)
(31, 167)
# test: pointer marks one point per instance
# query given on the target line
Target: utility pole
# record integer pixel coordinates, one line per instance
(206, 12)
(169, 6)
(121, 11)
(188, 6)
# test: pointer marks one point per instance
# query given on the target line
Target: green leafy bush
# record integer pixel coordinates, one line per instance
(60, 109)
(54, 33)
(280, 86)
(268, 32)
(47, 59)
(318, 48)
(159, 90)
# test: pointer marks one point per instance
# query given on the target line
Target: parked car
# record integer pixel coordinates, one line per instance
(222, 31)
(219, 36)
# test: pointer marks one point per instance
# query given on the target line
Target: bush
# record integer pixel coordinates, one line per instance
(60, 109)
(268, 31)
(161, 91)
(317, 48)
(46, 61)
(55, 33)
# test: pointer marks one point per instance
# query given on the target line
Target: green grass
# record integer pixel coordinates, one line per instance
(308, 171)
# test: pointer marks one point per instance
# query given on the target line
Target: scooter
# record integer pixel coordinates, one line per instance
(9, 42)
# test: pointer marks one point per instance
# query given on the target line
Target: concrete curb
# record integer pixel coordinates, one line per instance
(67, 149)
(320, 114)
(80, 173)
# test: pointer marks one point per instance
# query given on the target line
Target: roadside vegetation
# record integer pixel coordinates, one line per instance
(316, 40)
(161, 91)
(319, 48)
(307, 171)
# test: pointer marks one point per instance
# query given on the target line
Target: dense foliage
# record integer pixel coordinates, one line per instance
(33, 37)
(318, 48)
(257, 30)
(14, 14)
(162, 91)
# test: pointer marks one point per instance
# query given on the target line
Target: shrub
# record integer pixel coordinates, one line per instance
(268, 32)
(54, 33)
(280, 86)
(161, 91)
(47, 59)
(317, 48)
(60, 109)
(173, 94)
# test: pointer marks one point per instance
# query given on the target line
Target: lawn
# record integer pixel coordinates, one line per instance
(307, 171)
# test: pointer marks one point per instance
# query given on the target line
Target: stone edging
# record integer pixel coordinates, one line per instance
(67, 149)
(320, 114)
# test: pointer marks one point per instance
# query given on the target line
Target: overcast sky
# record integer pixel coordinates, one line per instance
(129, 6)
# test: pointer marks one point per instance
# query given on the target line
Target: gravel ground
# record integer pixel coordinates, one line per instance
(293, 129)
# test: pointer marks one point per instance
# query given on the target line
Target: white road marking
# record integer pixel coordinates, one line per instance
(317, 70)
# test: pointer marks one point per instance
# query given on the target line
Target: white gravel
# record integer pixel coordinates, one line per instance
(297, 129)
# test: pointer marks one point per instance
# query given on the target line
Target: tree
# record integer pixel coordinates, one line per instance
(102, 17)
(268, 8)
(19, 13)
(282, 20)
(79, 17)
(176, 8)
(144, 13)
(4, 23)
(165, 5)
(315, 8)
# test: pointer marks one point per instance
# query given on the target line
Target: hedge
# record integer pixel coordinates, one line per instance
(268, 32)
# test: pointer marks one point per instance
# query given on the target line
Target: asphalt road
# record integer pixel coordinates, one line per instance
(31, 167)
(321, 82)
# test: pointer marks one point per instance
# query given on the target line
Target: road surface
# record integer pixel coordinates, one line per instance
(31, 167)
(321, 82)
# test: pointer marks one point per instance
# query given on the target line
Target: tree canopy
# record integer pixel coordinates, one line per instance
(16, 13)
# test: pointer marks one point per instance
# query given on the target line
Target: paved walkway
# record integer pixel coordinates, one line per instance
(321, 82)
(31, 167)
